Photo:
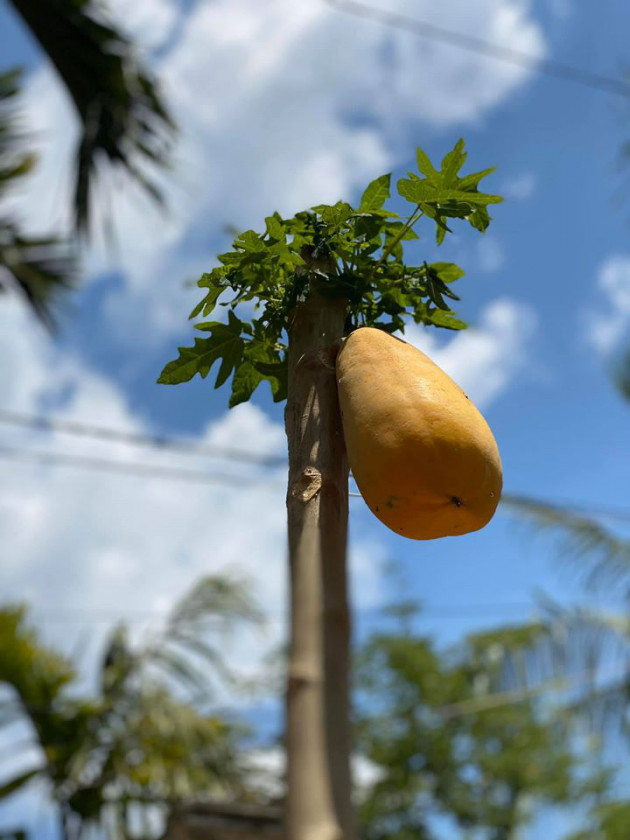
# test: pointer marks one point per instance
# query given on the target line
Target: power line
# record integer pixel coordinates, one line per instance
(122, 467)
(90, 430)
(480, 46)
(158, 442)
(132, 468)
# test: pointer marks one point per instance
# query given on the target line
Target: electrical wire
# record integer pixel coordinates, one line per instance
(105, 433)
(130, 468)
(480, 46)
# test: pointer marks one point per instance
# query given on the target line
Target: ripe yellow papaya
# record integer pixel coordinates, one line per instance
(422, 455)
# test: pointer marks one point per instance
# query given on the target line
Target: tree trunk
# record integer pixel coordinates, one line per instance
(318, 721)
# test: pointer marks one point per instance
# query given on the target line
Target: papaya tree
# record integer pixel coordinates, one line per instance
(313, 279)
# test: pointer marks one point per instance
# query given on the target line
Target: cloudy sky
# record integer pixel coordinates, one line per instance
(282, 105)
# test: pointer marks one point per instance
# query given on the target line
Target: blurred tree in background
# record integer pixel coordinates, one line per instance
(138, 742)
(123, 123)
(447, 744)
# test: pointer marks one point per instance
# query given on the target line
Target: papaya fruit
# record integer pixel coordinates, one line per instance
(422, 455)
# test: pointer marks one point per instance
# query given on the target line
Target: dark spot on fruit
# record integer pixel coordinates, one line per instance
(455, 500)
(392, 501)
(377, 509)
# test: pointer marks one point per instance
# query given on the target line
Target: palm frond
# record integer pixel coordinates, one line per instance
(122, 115)
(583, 539)
(180, 669)
(227, 599)
(18, 782)
(578, 657)
(38, 268)
(189, 649)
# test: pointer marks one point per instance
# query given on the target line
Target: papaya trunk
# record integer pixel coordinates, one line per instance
(318, 720)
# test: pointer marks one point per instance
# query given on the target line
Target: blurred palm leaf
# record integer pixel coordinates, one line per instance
(17, 783)
(603, 554)
(580, 657)
(188, 645)
(122, 115)
(37, 267)
(216, 596)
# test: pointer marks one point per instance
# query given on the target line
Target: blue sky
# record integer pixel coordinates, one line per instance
(282, 106)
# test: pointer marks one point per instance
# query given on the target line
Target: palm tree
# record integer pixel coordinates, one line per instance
(123, 122)
(140, 742)
(38, 267)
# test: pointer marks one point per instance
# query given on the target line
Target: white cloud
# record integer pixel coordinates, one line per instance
(484, 359)
(280, 105)
(113, 546)
(148, 24)
(127, 545)
(520, 187)
(607, 327)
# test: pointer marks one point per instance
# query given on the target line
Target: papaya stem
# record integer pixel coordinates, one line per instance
(317, 698)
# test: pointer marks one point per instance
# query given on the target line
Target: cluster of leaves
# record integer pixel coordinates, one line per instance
(332, 251)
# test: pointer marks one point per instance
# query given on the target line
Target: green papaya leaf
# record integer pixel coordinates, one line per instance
(376, 194)
(447, 320)
(225, 343)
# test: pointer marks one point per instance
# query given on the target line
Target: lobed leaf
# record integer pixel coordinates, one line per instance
(225, 343)
(376, 194)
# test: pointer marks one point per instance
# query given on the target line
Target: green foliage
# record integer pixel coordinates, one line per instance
(441, 748)
(331, 251)
(611, 821)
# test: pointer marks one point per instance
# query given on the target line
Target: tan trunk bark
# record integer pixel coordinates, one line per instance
(318, 725)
